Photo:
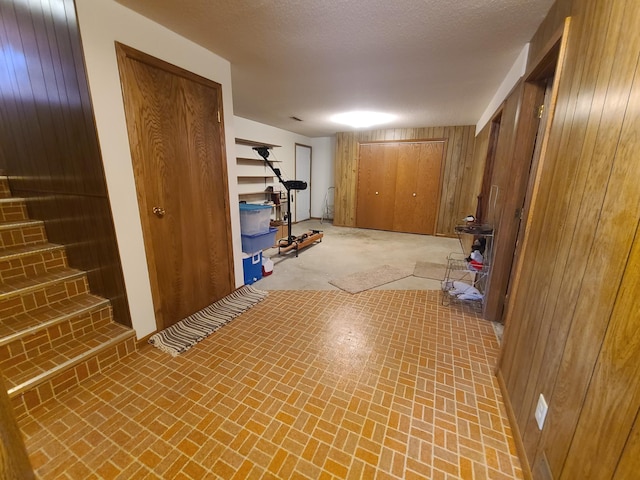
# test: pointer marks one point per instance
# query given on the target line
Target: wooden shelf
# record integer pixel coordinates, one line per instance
(252, 173)
(249, 159)
(250, 177)
(247, 194)
(252, 143)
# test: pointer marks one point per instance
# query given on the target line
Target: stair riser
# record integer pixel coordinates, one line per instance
(24, 403)
(22, 235)
(15, 211)
(32, 265)
(38, 287)
(4, 188)
(26, 302)
(23, 350)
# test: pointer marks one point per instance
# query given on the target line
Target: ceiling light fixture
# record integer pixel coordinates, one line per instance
(362, 119)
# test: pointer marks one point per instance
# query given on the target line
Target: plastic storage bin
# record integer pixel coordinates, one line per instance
(252, 267)
(259, 241)
(254, 219)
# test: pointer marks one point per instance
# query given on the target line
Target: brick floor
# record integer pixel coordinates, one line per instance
(307, 384)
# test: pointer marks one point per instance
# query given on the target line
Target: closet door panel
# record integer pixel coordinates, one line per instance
(376, 186)
(418, 187)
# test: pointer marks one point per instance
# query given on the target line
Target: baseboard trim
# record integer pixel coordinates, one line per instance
(144, 341)
(517, 437)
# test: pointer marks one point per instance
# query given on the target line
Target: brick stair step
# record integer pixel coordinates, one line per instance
(30, 260)
(41, 291)
(4, 187)
(46, 366)
(27, 232)
(16, 327)
(13, 209)
(53, 285)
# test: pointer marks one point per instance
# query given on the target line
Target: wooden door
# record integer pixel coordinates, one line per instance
(177, 149)
(418, 186)
(377, 165)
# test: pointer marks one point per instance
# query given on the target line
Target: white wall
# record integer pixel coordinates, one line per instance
(321, 155)
(102, 22)
(517, 70)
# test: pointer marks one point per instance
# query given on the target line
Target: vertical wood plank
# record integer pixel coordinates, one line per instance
(613, 399)
(629, 464)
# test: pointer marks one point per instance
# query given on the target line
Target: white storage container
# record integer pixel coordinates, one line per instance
(254, 219)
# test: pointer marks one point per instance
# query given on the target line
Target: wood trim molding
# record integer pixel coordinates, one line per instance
(515, 431)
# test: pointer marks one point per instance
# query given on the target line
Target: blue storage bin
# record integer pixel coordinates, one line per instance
(254, 219)
(259, 241)
(252, 267)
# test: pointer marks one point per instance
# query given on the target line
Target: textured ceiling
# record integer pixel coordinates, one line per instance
(431, 62)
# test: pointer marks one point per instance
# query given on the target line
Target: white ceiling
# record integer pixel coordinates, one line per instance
(431, 62)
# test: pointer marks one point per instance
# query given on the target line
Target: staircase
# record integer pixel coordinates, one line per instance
(53, 332)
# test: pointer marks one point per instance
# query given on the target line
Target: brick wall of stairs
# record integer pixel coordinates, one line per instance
(53, 332)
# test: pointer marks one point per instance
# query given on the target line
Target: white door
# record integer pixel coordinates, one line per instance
(303, 172)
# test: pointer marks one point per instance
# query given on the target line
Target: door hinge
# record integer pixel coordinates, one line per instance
(219, 116)
(541, 111)
(518, 214)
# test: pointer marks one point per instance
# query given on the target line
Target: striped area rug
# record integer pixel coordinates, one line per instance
(183, 335)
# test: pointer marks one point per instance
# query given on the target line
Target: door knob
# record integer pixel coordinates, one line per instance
(376, 193)
(158, 212)
(414, 194)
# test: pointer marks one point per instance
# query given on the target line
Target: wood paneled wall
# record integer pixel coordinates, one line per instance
(573, 330)
(457, 195)
(48, 141)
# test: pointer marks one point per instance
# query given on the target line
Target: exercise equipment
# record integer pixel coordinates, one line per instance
(291, 242)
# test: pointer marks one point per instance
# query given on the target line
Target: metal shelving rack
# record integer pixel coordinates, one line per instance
(459, 270)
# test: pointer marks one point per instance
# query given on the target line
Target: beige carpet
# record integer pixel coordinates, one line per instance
(435, 271)
(361, 281)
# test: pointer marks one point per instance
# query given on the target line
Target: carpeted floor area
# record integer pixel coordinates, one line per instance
(306, 384)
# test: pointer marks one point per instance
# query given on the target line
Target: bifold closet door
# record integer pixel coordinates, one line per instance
(376, 186)
(418, 187)
(399, 186)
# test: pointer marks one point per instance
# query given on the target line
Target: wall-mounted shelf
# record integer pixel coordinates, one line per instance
(247, 194)
(259, 160)
(253, 176)
(253, 143)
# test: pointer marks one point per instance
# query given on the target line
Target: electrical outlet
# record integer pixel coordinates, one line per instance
(541, 411)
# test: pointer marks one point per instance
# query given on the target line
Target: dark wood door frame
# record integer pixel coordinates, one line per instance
(483, 199)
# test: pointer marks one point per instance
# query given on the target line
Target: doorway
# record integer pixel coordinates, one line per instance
(303, 172)
(535, 100)
(177, 149)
